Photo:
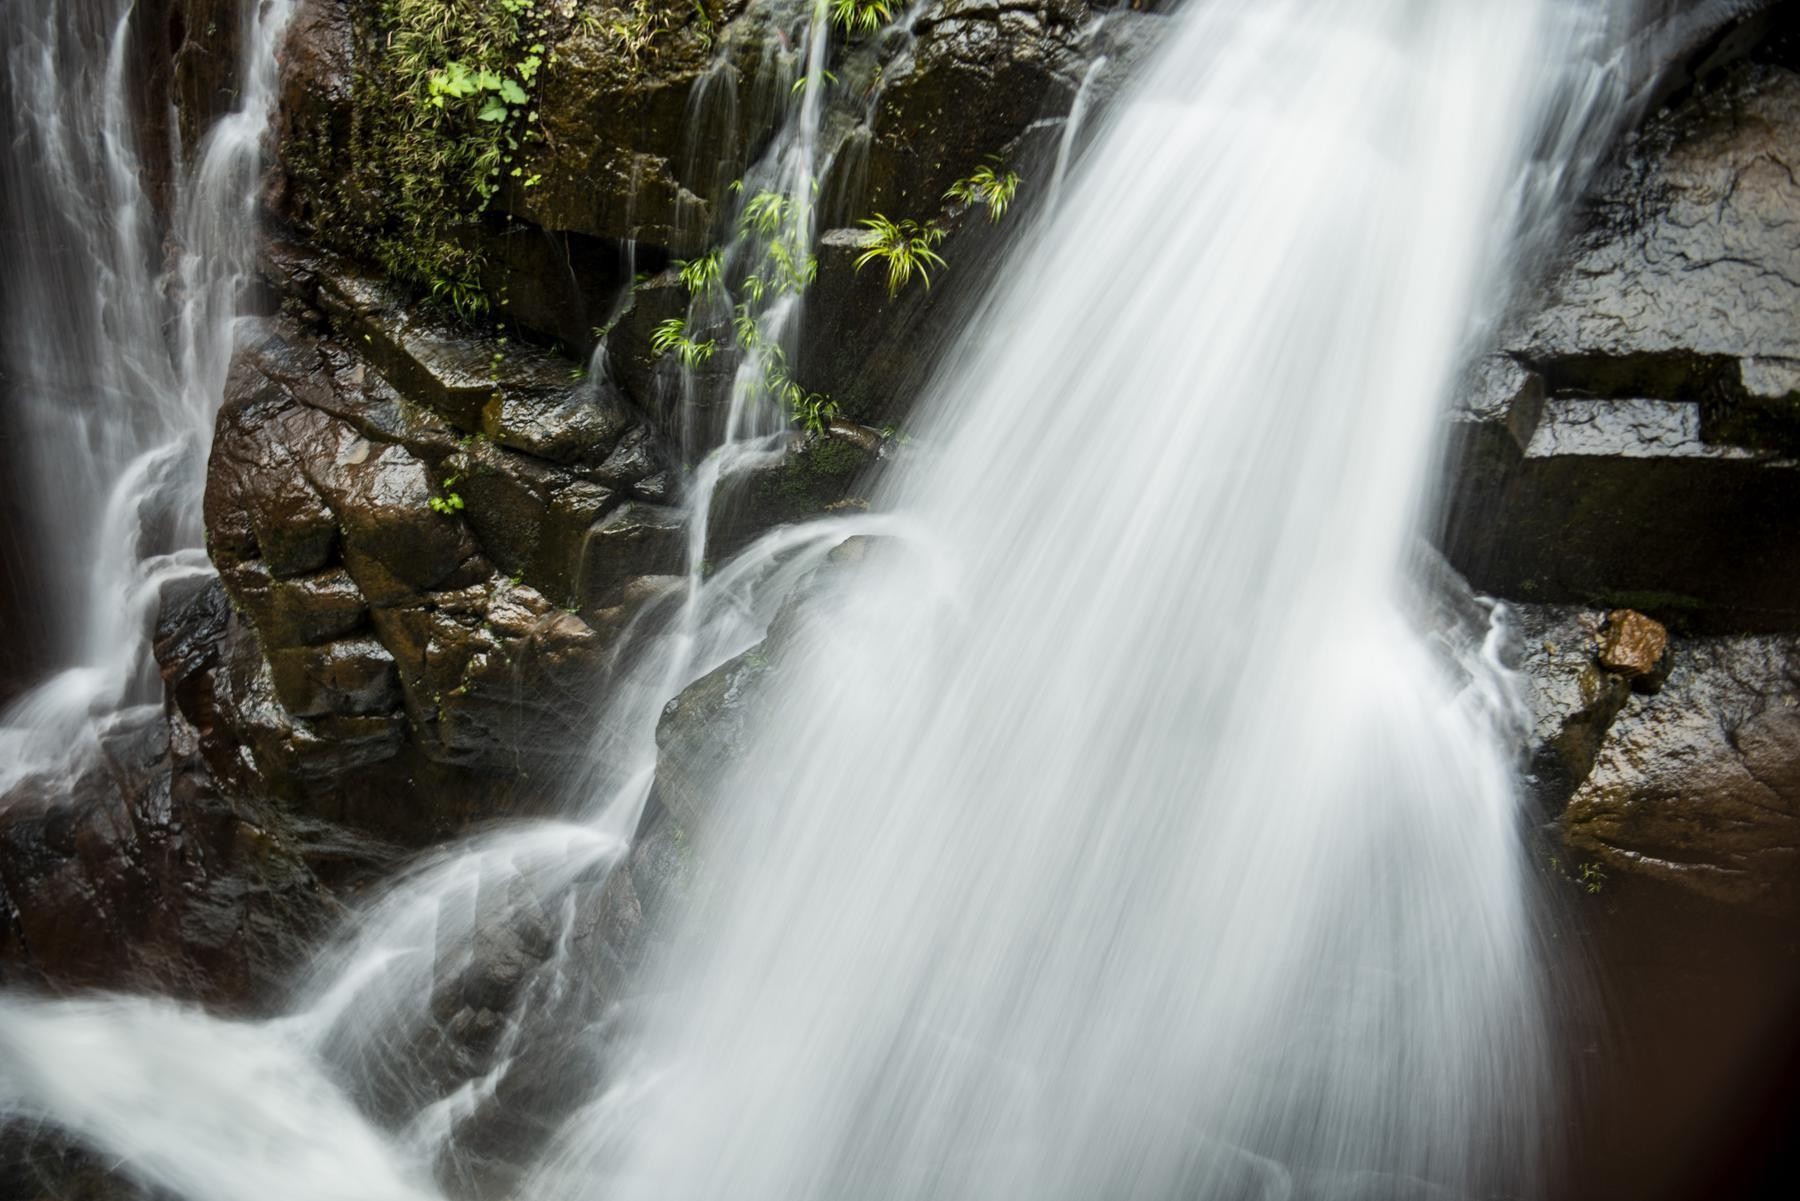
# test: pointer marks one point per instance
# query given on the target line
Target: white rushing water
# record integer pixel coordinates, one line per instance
(1154, 854)
(118, 344)
(1121, 827)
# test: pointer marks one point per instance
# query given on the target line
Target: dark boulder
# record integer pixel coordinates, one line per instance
(1573, 699)
(1636, 444)
(703, 731)
(1699, 785)
(145, 870)
(815, 473)
(407, 517)
(1677, 763)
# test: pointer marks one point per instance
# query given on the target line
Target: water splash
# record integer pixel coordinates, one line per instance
(173, 1094)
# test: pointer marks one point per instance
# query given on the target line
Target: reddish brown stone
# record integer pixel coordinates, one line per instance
(1631, 644)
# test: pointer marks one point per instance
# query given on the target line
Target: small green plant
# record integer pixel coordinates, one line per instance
(701, 273)
(441, 116)
(814, 410)
(788, 266)
(632, 28)
(671, 337)
(905, 248)
(498, 95)
(800, 84)
(986, 185)
(861, 16)
(1590, 877)
(451, 501)
(764, 214)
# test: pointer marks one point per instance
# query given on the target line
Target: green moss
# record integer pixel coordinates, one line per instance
(833, 458)
(443, 116)
(442, 104)
(811, 478)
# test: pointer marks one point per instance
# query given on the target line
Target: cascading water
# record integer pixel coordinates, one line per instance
(1152, 850)
(1149, 851)
(117, 345)
(365, 1012)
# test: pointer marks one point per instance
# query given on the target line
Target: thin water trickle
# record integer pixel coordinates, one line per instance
(1160, 844)
(1073, 123)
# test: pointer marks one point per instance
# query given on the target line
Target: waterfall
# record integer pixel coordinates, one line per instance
(116, 345)
(1124, 825)
(1118, 831)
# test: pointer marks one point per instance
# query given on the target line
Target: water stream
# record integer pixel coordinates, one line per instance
(1123, 826)
(1138, 861)
(118, 345)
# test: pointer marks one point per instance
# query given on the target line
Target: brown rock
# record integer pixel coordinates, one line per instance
(1699, 785)
(1635, 646)
(1573, 700)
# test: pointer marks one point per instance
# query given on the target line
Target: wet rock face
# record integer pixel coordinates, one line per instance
(648, 113)
(1630, 456)
(981, 72)
(1699, 785)
(1674, 762)
(704, 730)
(314, 70)
(1687, 281)
(1572, 697)
(150, 873)
(413, 524)
(617, 160)
(1636, 444)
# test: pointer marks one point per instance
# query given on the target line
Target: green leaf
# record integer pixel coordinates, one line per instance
(492, 110)
(511, 92)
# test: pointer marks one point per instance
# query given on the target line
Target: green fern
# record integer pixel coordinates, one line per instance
(672, 337)
(800, 83)
(861, 16)
(986, 186)
(701, 273)
(905, 247)
(764, 214)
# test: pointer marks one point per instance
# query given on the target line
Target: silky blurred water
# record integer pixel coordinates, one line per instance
(117, 337)
(1120, 834)
(1128, 824)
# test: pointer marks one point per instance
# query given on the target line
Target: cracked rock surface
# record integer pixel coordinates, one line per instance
(1699, 785)
(1687, 282)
